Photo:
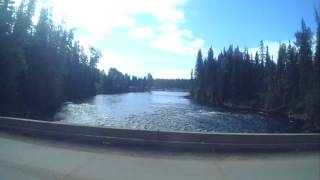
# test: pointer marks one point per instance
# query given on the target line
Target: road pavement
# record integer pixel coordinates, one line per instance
(32, 158)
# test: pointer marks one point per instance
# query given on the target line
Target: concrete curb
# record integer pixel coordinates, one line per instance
(192, 140)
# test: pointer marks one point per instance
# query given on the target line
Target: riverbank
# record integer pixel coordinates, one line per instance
(297, 120)
(233, 107)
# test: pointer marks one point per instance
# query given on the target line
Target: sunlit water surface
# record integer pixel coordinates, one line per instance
(162, 110)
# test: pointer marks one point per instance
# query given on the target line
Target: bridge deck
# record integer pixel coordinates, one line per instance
(29, 158)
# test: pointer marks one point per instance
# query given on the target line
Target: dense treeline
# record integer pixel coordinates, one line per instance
(116, 82)
(288, 85)
(42, 65)
(171, 84)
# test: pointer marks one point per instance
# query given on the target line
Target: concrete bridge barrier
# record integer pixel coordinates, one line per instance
(194, 140)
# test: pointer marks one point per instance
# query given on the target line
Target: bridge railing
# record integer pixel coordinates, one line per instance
(178, 139)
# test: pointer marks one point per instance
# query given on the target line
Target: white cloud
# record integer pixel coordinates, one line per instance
(141, 33)
(179, 41)
(96, 21)
(134, 63)
(169, 38)
(176, 73)
(168, 34)
(99, 17)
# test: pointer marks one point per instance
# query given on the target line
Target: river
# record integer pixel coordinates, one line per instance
(163, 110)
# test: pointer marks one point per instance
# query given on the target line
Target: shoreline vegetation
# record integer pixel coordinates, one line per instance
(288, 86)
(237, 108)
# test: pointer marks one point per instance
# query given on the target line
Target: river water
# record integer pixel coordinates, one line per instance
(163, 110)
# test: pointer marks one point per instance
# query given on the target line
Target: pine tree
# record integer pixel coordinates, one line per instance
(282, 59)
(315, 104)
(256, 59)
(268, 66)
(211, 77)
(149, 81)
(317, 53)
(23, 23)
(192, 83)
(292, 77)
(199, 68)
(247, 76)
(304, 42)
(199, 77)
(235, 76)
(12, 61)
(262, 54)
(281, 73)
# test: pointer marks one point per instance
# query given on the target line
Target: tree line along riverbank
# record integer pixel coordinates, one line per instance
(288, 85)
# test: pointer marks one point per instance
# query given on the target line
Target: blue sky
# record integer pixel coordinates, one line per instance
(246, 22)
(162, 37)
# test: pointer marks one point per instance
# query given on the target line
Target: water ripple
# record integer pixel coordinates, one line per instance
(164, 111)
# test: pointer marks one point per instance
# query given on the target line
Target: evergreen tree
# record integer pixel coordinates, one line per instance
(281, 72)
(262, 54)
(23, 23)
(12, 60)
(292, 78)
(199, 70)
(199, 76)
(256, 59)
(210, 76)
(149, 81)
(269, 65)
(192, 83)
(317, 54)
(282, 58)
(235, 82)
(315, 102)
(304, 43)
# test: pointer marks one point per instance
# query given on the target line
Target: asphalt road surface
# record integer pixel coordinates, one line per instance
(31, 158)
